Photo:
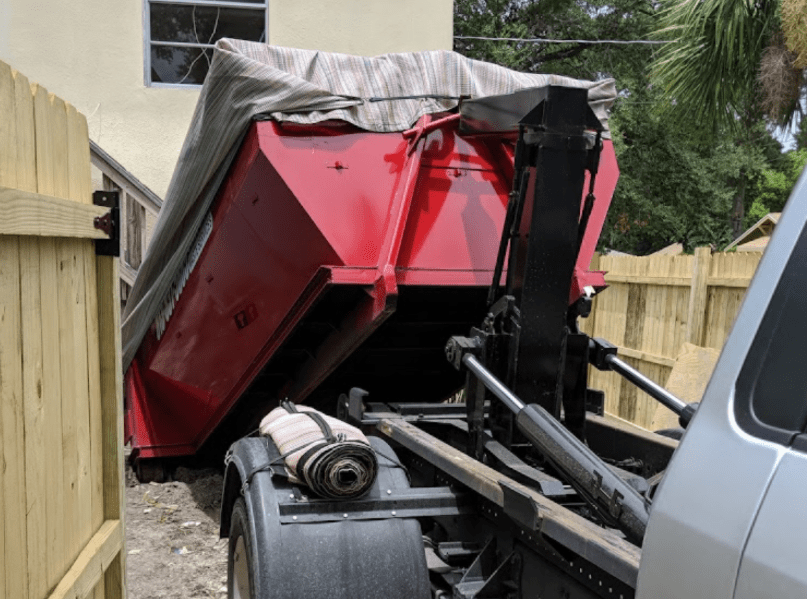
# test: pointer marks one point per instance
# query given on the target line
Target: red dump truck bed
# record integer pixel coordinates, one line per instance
(332, 257)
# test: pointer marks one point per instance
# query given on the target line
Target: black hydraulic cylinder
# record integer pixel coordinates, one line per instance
(684, 410)
(615, 500)
(605, 358)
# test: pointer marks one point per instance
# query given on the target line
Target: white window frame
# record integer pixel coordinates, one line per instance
(148, 43)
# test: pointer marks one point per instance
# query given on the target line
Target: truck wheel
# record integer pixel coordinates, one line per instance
(240, 577)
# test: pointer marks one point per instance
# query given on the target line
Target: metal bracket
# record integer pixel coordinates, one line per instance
(613, 503)
(599, 352)
(491, 576)
(520, 507)
(417, 502)
(458, 346)
(109, 223)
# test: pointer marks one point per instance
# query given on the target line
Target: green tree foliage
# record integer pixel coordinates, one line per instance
(676, 184)
(801, 134)
(557, 19)
(773, 185)
(710, 66)
(673, 186)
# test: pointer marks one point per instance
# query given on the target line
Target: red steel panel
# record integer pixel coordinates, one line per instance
(305, 210)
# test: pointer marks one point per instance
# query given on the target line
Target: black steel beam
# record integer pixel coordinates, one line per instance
(598, 546)
(543, 255)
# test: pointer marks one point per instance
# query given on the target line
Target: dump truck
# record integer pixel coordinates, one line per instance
(425, 285)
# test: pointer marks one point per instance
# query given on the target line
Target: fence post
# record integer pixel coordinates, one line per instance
(594, 265)
(696, 313)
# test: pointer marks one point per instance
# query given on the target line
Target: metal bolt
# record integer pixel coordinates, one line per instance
(389, 491)
(294, 517)
(393, 512)
(345, 515)
(291, 495)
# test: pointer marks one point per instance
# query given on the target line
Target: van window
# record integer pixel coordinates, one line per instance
(771, 393)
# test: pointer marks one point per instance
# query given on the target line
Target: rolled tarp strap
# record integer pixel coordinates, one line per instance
(332, 458)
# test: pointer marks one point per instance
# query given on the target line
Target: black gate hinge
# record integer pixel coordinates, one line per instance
(109, 223)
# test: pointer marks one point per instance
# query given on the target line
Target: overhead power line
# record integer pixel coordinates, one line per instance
(541, 40)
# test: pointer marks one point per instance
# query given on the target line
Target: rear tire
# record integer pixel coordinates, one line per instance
(240, 565)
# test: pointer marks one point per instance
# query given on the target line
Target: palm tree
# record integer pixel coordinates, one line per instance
(730, 62)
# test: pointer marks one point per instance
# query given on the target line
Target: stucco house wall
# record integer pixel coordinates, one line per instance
(91, 53)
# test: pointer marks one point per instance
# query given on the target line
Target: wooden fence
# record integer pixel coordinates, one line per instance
(61, 488)
(656, 303)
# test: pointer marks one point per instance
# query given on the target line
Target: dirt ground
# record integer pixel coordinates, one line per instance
(172, 537)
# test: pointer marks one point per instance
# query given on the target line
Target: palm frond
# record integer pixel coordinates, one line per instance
(710, 68)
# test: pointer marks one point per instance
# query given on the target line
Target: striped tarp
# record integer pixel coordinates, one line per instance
(247, 79)
(343, 466)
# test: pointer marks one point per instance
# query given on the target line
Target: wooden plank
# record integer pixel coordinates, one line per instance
(25, 135)
(28, 213)
(634, 328)
(127, 274)
(35, 427)
(51, 359)
(2, 517)
(8, 128)
(90, 464)
(696, 310)
(611, 325)
(588, 323)
(78, 157)
(109, 344)
(31, 331)
(717, 306)
(79, 190)
(92, 561)
(111, 383)
(115, 577)
(683, 264)
(11, 404)
(646, 357)
(741, 282)
(649, 279)
(67, 272)
(75, 384)
(135, 224)
(96, 434)
(8, 176)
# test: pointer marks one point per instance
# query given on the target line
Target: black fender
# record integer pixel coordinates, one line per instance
(244, 457)
(345, 549)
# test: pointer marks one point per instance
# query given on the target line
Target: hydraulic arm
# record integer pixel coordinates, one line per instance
(529, 341)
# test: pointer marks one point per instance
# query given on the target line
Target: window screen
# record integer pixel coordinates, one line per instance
(180, 35)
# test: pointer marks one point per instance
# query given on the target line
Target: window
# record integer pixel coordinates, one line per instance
(772, 385)
(180, 35)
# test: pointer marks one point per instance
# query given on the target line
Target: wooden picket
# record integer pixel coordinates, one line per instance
(655, 304)
(61, 491)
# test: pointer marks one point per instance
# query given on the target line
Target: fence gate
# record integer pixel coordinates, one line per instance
(61, 490)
